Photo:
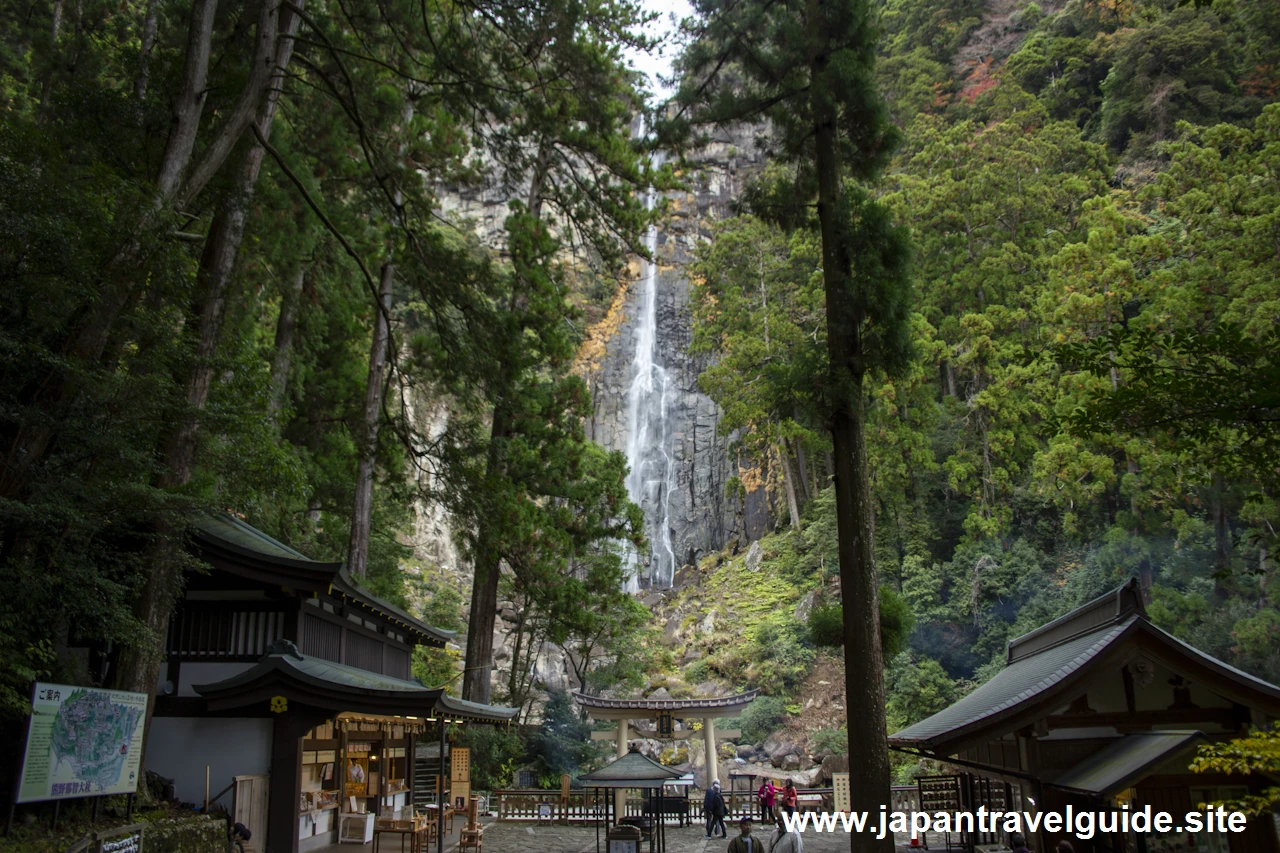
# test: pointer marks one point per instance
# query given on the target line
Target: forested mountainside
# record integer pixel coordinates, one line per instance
(232, 277)
(1093, 191)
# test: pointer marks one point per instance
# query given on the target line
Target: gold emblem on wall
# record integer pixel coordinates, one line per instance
(279, 704)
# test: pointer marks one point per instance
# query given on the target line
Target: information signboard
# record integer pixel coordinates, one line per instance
(82, 742)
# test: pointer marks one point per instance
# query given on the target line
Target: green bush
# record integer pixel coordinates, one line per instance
(163, 834)
(778, 652)
(761, 717)
(826, 626)
(896, 622)
(698, 671)
(495, 753)
(836, 740)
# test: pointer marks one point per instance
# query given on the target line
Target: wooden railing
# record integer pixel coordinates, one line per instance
(525, 804)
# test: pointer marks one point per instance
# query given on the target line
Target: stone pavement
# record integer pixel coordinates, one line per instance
(512, 837)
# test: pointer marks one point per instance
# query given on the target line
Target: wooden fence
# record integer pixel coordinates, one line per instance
(525, 804)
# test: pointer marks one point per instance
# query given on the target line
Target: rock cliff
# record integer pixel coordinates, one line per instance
(700, 518)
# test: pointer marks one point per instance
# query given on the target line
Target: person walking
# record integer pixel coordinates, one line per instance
(790, 797)
(768, 795)
(1018, 843)
(744, 843)
(784, 841)
(714, 809)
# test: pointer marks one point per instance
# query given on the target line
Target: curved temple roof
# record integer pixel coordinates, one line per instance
(633, 770)
(721, 706)
(319, 683)
(238, 548)
(1050, 663)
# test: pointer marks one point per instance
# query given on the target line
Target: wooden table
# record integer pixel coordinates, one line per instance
(809, 802)
(417, 831)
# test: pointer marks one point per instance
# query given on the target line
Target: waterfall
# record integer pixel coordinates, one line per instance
(649, 398)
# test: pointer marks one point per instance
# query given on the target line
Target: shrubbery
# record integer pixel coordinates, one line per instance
(761, 717)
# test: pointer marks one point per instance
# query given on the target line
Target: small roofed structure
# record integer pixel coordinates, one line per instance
(635, 771)
(1098, 709)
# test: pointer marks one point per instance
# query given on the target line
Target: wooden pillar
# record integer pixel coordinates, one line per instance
(440, 798)
(709, 738)
(285, 787)
(620, 795)
(1029, 759)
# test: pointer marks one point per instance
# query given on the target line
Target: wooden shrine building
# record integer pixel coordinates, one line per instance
(291, 684)
(1097, 710)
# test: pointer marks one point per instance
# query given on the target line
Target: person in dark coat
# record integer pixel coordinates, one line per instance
(1018, 843)
(714, 808)
(744, 843)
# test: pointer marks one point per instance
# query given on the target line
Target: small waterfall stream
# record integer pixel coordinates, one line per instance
(649, 398)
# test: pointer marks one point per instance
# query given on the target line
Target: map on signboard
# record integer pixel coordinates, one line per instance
(82, 742)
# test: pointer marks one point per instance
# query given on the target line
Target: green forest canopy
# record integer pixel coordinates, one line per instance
(1093, 193)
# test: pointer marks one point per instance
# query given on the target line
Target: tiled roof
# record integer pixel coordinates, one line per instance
(344, 687)
(1045, 657)
(1012, 685)
(1127, 760)
(663, 704)
(632, 770)
(252, 547)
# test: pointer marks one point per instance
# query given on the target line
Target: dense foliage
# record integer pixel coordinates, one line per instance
(226, 284)
(1092, 193)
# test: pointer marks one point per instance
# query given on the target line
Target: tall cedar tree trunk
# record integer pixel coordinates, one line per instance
(282, 351)
(362, 511)
(789, 483)
(477, 673)
(864, 678)
(802, 466)
(149, 25)
(138, 667)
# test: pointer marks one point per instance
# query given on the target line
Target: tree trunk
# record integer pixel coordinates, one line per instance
(789, 482)
(149, 24)
(190, 103)
(477, 685)
(803, 468)
(282, 354)
(362, 512)
(864, 681)
(265, 76)
(138, 666)
(56, 28)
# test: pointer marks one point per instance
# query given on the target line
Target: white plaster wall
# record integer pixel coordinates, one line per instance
(180, 747)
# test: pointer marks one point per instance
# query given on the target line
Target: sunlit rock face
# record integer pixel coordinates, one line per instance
(683, 462)
(687, 512)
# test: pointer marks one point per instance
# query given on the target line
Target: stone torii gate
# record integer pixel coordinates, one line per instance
(664, 712)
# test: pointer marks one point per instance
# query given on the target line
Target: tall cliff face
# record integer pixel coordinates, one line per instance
(700, 518)
(689, 499)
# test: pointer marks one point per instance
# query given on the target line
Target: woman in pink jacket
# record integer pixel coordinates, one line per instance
(768, 796)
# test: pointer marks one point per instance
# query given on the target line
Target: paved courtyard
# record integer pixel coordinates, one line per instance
(513, 837)
(520, 837)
